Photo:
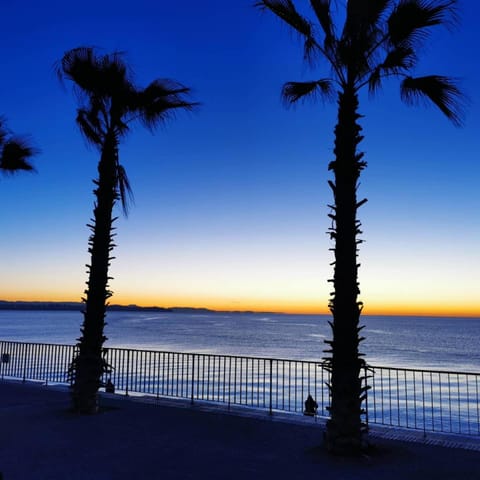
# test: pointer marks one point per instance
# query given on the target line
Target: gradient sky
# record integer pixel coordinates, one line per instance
(231, 201)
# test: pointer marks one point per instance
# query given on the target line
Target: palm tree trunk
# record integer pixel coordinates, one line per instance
(344, 428)
(90, 365)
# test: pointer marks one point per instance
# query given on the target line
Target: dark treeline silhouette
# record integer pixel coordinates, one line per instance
(379, 39)
(109, 104)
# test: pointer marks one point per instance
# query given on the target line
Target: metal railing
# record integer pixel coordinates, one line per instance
(419, 399)
(35, 361)
(432, 401)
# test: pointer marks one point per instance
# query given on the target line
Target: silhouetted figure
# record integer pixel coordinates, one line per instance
(109, 387)
(311, 406)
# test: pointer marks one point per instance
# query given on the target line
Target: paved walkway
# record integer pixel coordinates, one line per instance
(41, 440)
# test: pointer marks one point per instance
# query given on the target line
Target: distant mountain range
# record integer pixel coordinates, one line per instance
(78, 306)
(4, 305)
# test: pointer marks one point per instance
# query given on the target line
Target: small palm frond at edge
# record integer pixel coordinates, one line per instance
(15, 155)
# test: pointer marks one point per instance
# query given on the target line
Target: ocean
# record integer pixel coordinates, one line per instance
(411, 342)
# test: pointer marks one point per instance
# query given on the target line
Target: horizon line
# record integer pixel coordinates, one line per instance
(376, 313)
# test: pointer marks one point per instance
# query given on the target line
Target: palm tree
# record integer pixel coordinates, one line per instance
(15, 152)
(379, 39)
(109, 104)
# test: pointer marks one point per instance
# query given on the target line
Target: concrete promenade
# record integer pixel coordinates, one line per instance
(41, 440)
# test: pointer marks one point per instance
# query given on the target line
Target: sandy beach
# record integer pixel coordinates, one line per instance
(41, 440)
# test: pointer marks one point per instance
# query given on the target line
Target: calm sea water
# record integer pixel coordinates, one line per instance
(417, 342)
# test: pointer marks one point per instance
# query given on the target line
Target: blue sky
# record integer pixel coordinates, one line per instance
(231, 200)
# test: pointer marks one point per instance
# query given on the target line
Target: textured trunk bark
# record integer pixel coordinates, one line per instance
(344, 428)
(89, 365)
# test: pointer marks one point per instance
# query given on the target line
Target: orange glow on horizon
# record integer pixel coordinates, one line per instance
(274, 305)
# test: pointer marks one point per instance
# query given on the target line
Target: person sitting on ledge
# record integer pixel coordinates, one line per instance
(310, 406)
(109, 386)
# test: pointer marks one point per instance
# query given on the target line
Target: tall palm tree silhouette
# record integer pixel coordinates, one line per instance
(15, 152)
(109, 103)
(379, 39)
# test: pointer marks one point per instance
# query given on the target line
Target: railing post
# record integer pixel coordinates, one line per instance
(423, 407)
(230, 381)
(366, 395)
(271, 387)
(127, 372)
(193, 378)
(45, 366)
(2, 358)
(25, 362)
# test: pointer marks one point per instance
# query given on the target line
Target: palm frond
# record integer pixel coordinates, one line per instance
(375, 80)
(410, 20)
(125, 191)
(399, 59)
(94, 75)
(309, 47)
(292, 92)
(89, 123)
(374, 10)
(285, 9)
(159, 101)
(362, 35)
(322, 9)
(442, 91)
(15, 155)
(114, 76)
(363, 18)
(79, 65)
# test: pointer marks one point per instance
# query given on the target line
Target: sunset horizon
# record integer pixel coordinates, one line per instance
(398, 310)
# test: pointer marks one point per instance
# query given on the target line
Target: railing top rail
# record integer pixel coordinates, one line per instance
(318, 363)
(66, 345)
(225, 355)
(420, 370)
